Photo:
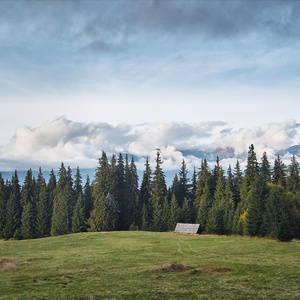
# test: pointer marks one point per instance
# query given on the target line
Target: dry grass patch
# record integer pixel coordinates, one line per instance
(10, 264)
(172, 267)
(212, 270)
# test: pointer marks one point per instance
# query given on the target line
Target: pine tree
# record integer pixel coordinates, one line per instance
(279, 172)
(204, 207)
(183, 184)
(2, 207)
(251, 174)
(204, 180)
(28, 221)
(293, 179)
(276, 211)
(43, 217)
(264, 170)
(28, 202)
(254, 216)
(78, 222)
(159, 188)
(119, 187)
(87, 197)
(174, 213)
(50, 192)
(237, 183)
(165, 215)
(229, 206)
(13, 209)
(103, 178)
(157, 218)
(185, 213)
(77, 189)
(61, 208)
(145, 192)
(215, 219)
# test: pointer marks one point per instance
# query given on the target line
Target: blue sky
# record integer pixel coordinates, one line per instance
(230, 67)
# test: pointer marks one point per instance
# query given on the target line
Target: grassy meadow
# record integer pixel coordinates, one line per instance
(149, 265)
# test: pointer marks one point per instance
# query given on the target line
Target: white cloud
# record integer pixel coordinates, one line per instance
(79, 143)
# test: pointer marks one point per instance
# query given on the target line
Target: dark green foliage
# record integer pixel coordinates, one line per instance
(277, 217)
(28, 222)
(13, 208)
(145, 195)
(248, 205)
(61, 219)
(78, 219)
(174, 213)
(43, 216)
(159, 188)
(255, 212)
(2, 206)
(279, 172)
(104, 216)
(87, 198)
(293, 179)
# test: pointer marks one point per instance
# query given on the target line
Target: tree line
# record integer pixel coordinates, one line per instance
(259, 201)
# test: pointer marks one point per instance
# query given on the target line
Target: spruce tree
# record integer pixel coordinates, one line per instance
(13, 209)
(174, 213)
(145, 219)
(78, 221)
(77, 189)
(237, 183)
(279, 172)
(87, 197)
(204, 207)
(28, 202)
(183, 192)
(264, 169)
(159, 188)
(229, 206)
(165, 215)
(215, 219)
(61, 208)
(2, 207)
(293, 179)
(145, 192)
(277, 211)
(28, 221)
(50, 192)
(43, 217)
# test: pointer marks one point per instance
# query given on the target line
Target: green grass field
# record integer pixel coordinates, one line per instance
(148, 265)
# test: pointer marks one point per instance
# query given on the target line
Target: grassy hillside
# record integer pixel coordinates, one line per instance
(146, 265)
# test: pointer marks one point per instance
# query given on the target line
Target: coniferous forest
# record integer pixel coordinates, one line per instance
(260, 201)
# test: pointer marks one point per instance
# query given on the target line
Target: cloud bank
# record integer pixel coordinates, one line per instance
(79, 143)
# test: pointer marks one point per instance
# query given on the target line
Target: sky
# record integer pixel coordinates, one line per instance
(78, 77)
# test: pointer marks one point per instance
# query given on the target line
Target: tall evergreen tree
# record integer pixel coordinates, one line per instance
(77, 184)
(229, 206)
(87, 197)
(50, 192)
(145, 193)
(279, 172)
(183, 184)
(215, 220)
(13, 209)
(174, 213)
(61, 208)
(28, 202)
(293, 179)
(2, 207)
(159, 188)
(237, 183)
(43, 217)
(104, 216)
(78, 221)
(277, 217)
(264, 169)
(204, 207)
